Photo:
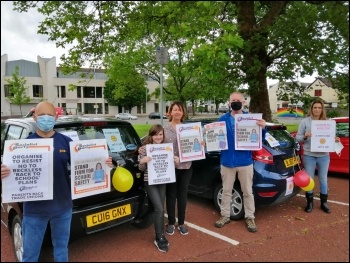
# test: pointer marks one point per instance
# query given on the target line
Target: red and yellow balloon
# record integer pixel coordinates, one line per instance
(304, 181)
(122, 179)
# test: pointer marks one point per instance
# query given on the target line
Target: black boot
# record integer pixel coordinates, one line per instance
(324, 205)
(310, 202)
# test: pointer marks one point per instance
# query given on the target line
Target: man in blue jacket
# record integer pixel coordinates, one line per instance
(235, 163)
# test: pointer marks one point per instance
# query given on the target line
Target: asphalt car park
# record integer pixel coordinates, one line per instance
(285, 234)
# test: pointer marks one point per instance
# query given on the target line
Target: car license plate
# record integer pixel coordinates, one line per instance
(108, 215)
(291, 161)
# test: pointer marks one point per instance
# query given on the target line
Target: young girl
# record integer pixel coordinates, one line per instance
(155, 192)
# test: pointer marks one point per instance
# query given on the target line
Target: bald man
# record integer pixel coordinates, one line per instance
(58, 211)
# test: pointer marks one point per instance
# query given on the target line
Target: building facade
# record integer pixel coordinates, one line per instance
(45, 81)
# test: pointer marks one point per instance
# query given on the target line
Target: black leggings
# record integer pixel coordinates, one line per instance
(178, 191)
(157, 195)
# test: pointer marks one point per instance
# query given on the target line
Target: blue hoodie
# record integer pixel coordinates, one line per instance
(230, 157)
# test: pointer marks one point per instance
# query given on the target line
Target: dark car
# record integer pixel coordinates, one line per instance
(141, 213)
(156, 115)
(274, 168)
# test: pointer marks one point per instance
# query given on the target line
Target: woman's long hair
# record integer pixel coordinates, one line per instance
(155, 129)
(181, 106)
(323, 115)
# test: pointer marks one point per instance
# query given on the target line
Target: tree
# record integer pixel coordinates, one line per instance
(18, 90)
(241, 42)
(125, 86)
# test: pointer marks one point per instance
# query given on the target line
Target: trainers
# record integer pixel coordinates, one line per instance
(251, 225)
(162, 244)
(170, 230)
(183, 230)
(222, 221)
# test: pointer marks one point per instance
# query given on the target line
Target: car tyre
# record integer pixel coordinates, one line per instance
(236, 207)
(145, 221)
(17, 239)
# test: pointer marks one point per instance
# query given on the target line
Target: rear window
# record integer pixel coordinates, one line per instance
(282, 138)
(342, 129)
(119, 139)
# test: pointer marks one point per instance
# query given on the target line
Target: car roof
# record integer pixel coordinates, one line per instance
(69, 119)
(341, 119)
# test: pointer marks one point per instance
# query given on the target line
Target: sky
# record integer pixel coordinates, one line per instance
(20, 40)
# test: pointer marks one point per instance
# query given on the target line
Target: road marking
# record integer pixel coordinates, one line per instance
(328, 201)
(210, 233)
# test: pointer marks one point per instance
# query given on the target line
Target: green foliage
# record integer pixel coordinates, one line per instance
(332, 113)
(18, 90)
(125, 86)
(213, 45)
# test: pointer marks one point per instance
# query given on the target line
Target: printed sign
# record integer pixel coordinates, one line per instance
(248, 135)
(216, 136)
(161, 169)
(323, 136)
(89, 172)
(31, 176)
(189, 138)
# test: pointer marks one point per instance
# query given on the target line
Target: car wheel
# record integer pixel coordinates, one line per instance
(17, 239)
(236, 207)
(146, 221)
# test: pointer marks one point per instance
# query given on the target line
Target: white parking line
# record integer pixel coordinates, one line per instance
(210, 233)
(329, 201)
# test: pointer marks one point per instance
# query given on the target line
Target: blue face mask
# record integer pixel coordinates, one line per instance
(45, 122)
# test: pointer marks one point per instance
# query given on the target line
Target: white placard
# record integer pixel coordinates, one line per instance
(31, 176)
(189, 138)
(323, 135)
(248, 134)
(216, 136)
(161, 169)
(88, 158)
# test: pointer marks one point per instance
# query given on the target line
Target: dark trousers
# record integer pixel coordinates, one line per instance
(157, 195)
(178, 191)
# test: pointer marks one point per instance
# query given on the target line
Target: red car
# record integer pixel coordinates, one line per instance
(338, 164)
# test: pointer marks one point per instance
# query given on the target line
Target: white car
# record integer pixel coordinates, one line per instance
(126, 116)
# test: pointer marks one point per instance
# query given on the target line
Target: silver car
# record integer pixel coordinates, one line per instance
(126, 116)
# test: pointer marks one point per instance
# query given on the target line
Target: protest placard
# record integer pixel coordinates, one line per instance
(31, 176)
(89, 173)
(161, 169)
(189, 138)
(323, 135)
(248, 134)
(216, 136)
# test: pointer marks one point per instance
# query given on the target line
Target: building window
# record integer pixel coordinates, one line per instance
(106, 108)
(318, 92)
(7, 89)
(79, 92)
(79, 109)
(89, 92)
(98, 92)
(63, 91)
(38, 91)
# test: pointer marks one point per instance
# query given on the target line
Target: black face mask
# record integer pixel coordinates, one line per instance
(236, 105)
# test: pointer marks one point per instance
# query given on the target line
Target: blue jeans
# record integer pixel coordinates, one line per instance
(33, 231)
(322, 163)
